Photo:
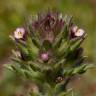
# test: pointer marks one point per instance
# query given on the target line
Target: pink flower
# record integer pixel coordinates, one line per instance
(19, 33)
(44, 56)
(79, 32)
(76, 32)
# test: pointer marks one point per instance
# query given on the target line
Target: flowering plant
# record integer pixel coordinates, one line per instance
(48, 52)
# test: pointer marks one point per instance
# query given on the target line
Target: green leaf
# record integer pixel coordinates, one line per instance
(63, 47)
(58, 65)
(8, 66)
(68, 20)
(22, 49)
(47, 45)
(32, 49)
(39, 66)
(75, 44)
(77, 70)
(36, 43)
(16, 60)
(59, 37)
(35, 36)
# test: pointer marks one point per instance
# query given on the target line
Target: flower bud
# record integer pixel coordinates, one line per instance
(74, 29)
(44, 56)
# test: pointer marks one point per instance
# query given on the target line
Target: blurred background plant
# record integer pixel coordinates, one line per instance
(12, 15)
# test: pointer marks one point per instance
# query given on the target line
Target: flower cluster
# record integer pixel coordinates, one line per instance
(48, 25)
(48, 50)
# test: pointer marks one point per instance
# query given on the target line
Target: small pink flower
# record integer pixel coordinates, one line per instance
(19, 33)
(76, 32)
(44, 56)
(79, 32)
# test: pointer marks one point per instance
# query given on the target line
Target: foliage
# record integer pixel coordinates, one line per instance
(49, 53)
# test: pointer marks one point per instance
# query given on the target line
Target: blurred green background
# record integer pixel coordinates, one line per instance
(12, 14)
